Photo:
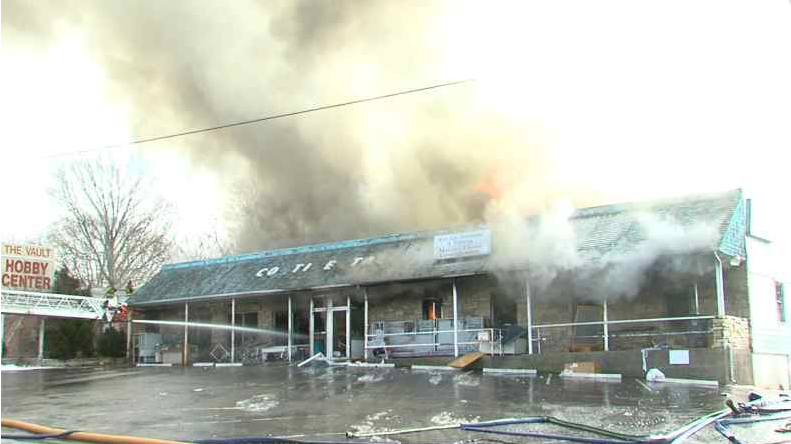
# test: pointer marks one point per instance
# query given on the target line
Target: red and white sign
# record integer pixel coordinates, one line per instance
(27, 267)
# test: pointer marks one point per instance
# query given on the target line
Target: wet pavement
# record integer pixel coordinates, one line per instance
(322, 403)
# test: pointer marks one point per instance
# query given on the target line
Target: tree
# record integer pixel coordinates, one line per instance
(69, 338)
(113, 231)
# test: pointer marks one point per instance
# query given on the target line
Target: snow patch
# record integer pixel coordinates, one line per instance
(371, 377)
(17, 368)
(258, 403)
(448, 418)
(467, 379)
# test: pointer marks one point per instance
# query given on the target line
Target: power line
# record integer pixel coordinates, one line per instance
(262, 119)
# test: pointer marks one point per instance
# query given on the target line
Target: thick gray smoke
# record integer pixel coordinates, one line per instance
(554, 247)
(413, 162)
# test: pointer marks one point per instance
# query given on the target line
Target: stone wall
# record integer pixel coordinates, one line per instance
(731, 331)
(406, 302)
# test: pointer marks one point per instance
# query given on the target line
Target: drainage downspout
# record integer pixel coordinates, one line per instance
(720, 281)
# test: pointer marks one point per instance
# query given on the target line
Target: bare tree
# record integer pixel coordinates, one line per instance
(213, 243)
(114, 230)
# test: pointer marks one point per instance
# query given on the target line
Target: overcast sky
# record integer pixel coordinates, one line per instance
(591, 102)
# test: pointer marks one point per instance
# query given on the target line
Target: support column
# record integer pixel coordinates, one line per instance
(185, 347)
(349, 327)
(233, 330)
(365, 335)
(290, 328)
(41, 332)
(697, 298)
(455, 320)
(606, 326)
(529, 319)
(310, 330)
(128, 337)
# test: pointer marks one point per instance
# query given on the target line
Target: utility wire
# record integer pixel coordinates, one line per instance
(262, 119)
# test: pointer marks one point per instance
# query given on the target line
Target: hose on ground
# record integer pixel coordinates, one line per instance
(100, 438)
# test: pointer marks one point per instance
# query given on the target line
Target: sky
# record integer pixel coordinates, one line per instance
(588, 103)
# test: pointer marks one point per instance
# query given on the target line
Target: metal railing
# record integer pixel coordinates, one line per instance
(51, 304)
(605, 336)
(492, 336)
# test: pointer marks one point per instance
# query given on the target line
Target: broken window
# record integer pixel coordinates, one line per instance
(432, 309)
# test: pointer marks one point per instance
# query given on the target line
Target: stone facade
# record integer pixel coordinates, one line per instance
(731, 331)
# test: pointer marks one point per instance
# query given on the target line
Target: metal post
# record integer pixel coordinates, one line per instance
(310, 330)
(365, 336)
(718, 279)
(606, 326)
(455, 320)
(697, 299)
(348, 327)
(329, 330)
(290, 327)
(128, 337)
(185, 349)
(233, 330)
(41, 330)
(529, 319)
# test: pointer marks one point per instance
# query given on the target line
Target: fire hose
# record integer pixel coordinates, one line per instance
(755, 407)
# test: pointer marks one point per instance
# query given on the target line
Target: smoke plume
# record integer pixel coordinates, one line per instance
(414, 162)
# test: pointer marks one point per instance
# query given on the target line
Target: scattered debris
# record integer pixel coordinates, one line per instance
(654, 375)
(582, 367)
(466, 360)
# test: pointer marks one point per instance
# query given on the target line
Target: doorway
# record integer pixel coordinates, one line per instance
(330, 327)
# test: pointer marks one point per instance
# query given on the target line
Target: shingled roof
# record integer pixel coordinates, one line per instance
(599, 231)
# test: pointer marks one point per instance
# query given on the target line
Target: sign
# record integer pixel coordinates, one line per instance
(456, 245)
(678, 357)
(27, 267)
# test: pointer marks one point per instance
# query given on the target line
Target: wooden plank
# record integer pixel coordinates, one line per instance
(466, 360)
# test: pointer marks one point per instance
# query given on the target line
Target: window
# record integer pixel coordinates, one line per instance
(781, 301)
(432, 309)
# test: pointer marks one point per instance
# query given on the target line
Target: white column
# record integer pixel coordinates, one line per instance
(310, 330)
(290, 327)
(606, 326)
(41, 332)
(233, 330)
(529, 319)
(329, 330)
(365, 335)
(348, 327)
(185, 349)
(697, 299)
(455, 320)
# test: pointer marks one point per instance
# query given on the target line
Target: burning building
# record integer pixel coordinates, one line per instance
(678, 284)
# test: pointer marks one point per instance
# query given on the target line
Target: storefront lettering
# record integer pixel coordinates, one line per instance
(302, 267)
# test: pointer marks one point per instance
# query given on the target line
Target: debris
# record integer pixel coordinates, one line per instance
(582, 367)
(466, 360)
(319, 356)
(516, 371)
(654, 375)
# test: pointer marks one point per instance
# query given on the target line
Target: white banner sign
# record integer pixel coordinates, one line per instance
(456, 245)
(28, 267)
